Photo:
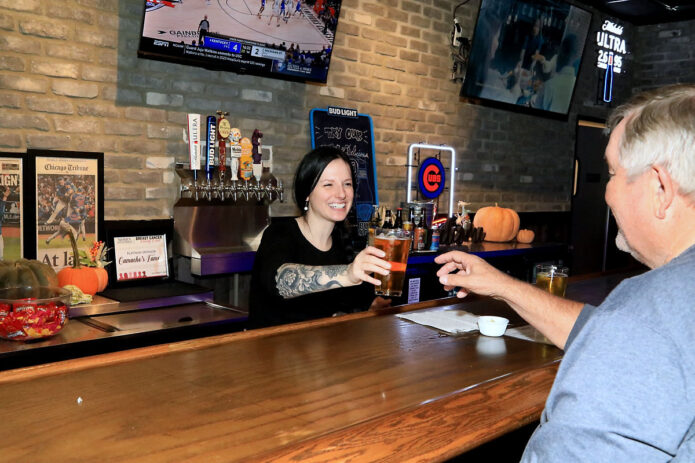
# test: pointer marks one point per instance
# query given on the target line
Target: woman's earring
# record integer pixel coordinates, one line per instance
(306, 205)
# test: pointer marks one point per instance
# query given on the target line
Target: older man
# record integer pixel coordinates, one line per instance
(625, 390)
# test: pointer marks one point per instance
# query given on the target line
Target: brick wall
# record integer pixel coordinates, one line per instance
(70, 79)
(666, 53)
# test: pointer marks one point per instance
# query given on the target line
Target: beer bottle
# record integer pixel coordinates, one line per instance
(399, 219)
(420, 235)
(387, 220)
(374, 223)
(408, 223)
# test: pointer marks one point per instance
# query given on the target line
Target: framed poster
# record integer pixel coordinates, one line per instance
(11, 206)
(68, 197)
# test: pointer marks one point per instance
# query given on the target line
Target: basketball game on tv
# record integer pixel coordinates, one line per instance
(289, 39)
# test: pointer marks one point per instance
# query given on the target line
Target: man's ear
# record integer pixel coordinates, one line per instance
(664, 190)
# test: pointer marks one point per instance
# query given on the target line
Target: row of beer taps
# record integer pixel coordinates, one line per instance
(207, 189)
(233, 190)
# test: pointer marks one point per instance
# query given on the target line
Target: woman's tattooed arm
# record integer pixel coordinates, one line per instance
(297, 279)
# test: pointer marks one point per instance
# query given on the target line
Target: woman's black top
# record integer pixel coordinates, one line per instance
(283, 243)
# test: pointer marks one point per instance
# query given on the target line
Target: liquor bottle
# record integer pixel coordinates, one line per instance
(399, 219)
(420, 235)
(387, 220)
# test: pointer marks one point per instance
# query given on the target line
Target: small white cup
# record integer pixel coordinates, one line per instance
(492, 326)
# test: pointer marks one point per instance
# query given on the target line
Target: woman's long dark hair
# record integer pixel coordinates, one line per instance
(310, 169)
(307, 176)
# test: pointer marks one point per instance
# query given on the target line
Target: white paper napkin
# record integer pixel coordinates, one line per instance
(460, 321)
(527, 333)
(449, 321)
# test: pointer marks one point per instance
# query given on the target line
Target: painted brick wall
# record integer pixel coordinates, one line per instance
(70, 79)
(666, 53)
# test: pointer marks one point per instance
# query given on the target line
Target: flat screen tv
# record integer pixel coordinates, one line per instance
(289, 39)
(526, 54)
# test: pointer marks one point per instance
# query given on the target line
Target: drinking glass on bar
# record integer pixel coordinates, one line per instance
(396, 244)
(552, 278)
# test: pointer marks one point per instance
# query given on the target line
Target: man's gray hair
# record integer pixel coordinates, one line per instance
(659, 130)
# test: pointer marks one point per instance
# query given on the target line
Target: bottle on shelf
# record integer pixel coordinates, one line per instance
(374, 223)
(420, 234)
(408, 223)
(388, 223)
(399, 219)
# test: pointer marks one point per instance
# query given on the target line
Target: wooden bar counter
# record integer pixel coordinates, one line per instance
(362, 387)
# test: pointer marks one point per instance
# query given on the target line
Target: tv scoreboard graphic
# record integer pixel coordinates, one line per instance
(243, 48)
(217, 51)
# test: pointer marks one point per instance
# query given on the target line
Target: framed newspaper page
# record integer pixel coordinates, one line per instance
(12, 206)
(68, 198)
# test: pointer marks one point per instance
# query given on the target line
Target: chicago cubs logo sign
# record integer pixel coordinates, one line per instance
(431, 178)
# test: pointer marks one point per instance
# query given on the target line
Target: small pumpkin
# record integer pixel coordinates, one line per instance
(26, 272)
(525, 236)
(500, 224)
(102, 278)
(96, 259)
(83, 277)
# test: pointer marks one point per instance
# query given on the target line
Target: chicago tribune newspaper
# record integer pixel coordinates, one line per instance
(66, 201)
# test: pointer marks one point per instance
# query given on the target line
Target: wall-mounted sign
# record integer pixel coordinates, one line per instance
(353, 133)
(612, 49)
(431, 178)
(611, 43)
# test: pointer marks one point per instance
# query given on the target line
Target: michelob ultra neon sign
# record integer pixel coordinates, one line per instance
(611, 45)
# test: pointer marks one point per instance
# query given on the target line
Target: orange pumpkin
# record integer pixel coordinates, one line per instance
(525, 236)
(500, 224)
(102, 277)
(84, 278)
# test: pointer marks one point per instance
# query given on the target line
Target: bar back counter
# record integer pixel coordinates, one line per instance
(362, 387)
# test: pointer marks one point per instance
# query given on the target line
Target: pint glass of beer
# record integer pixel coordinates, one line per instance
(552, 278)
(396, 244)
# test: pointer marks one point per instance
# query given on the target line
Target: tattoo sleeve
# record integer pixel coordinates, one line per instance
(294, 280)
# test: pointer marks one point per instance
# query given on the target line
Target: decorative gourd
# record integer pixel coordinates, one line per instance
(500, 224)
(26, 272)
(525, 236)
(85, 278)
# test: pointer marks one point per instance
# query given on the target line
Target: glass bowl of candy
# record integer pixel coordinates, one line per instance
(33, 312)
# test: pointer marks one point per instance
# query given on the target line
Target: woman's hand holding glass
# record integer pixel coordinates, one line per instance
(368, 261)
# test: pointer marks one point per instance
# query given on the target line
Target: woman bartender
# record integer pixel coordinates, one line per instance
(302, 269)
